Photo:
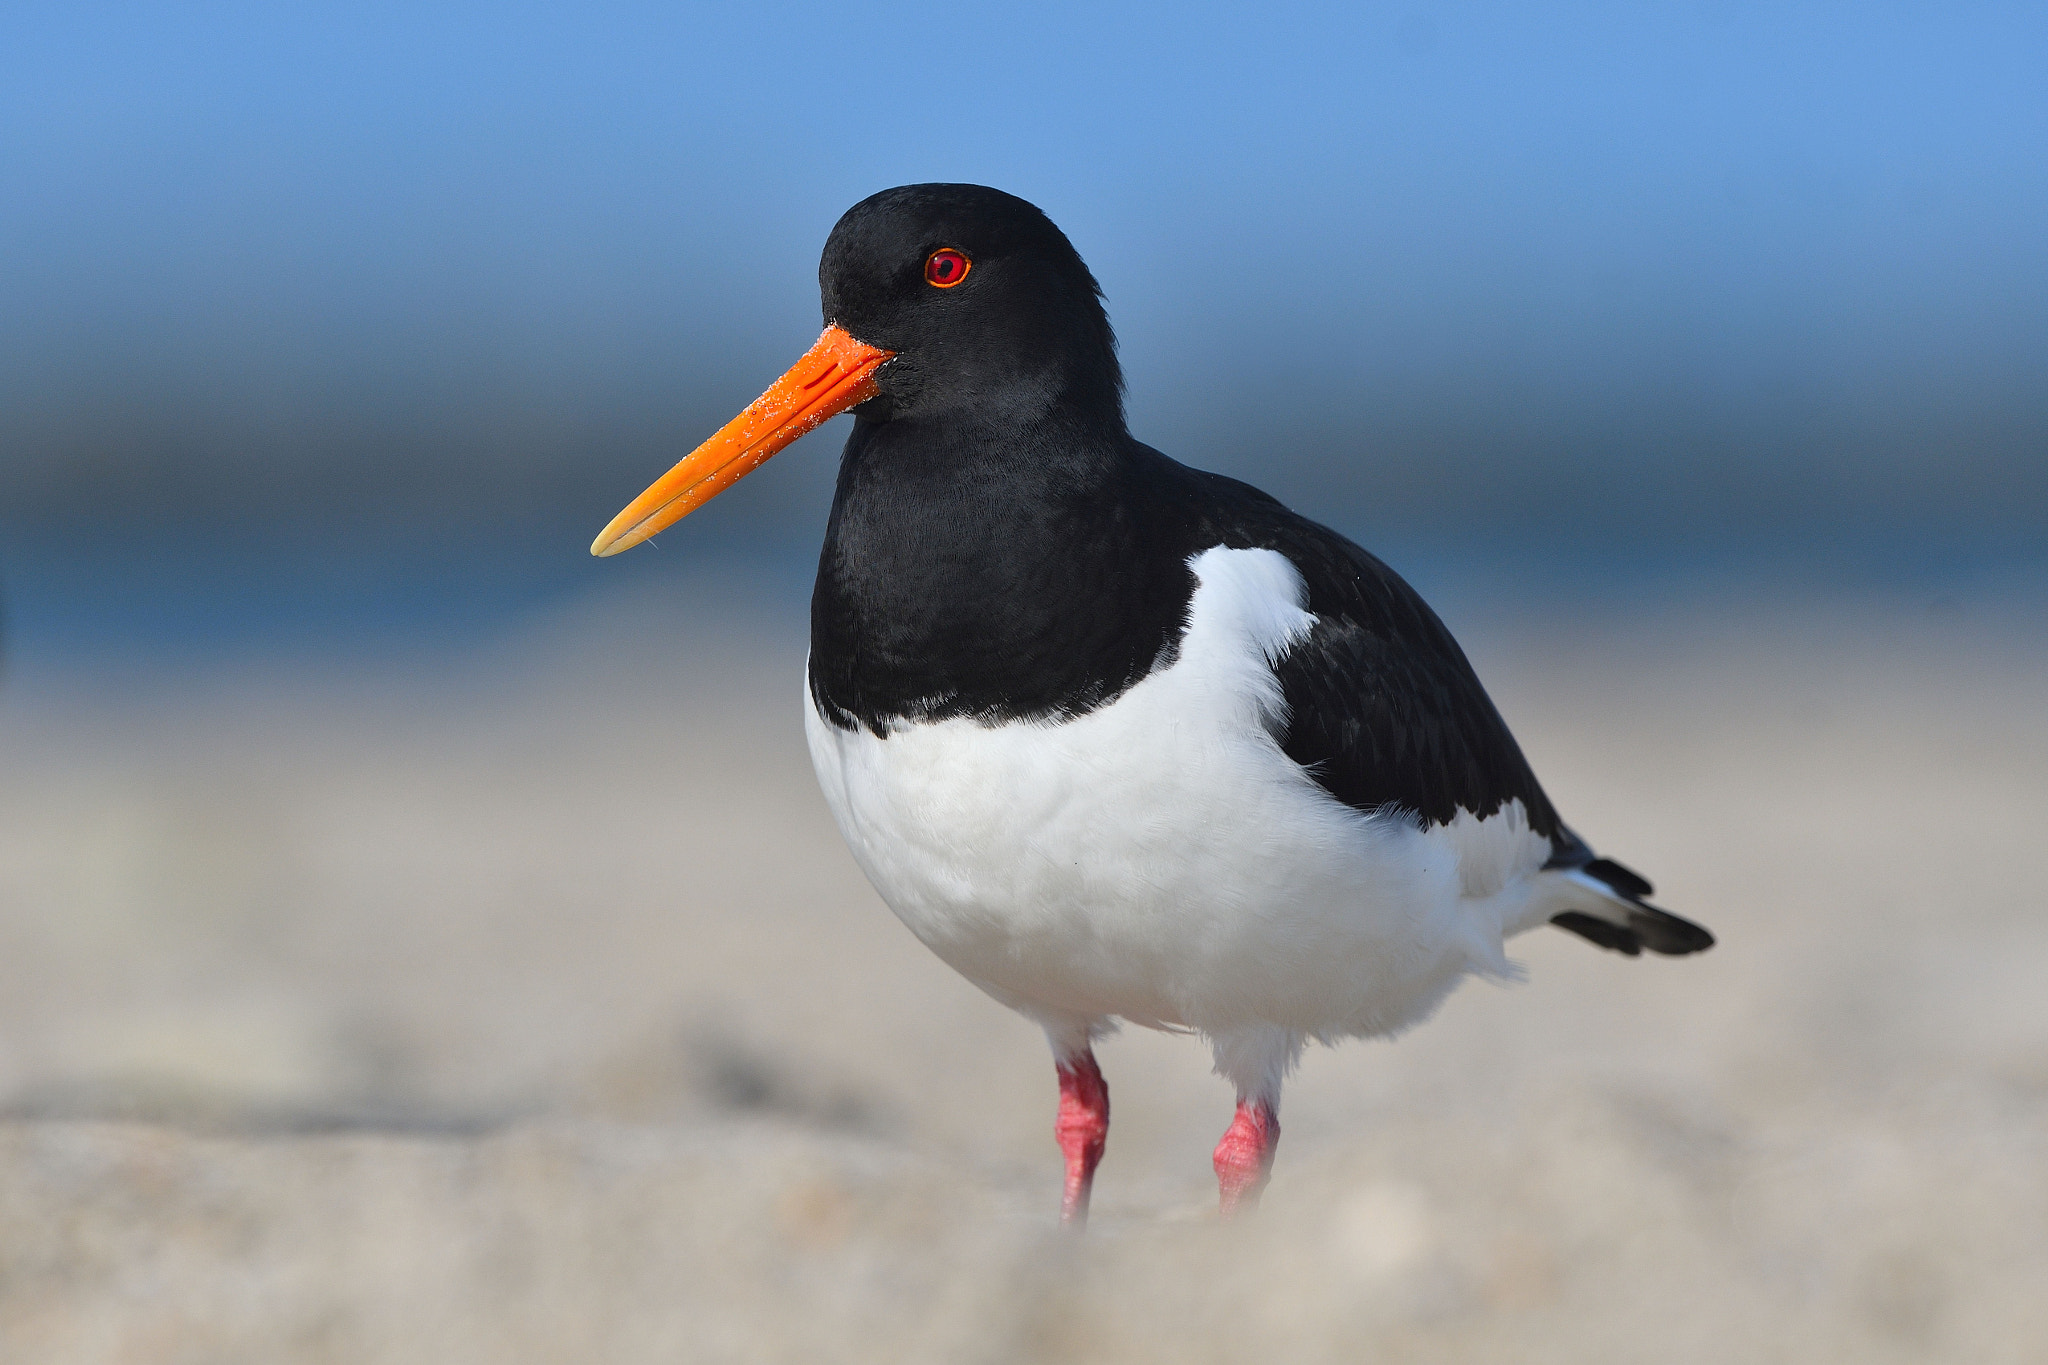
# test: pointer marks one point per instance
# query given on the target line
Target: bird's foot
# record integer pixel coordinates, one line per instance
(1083, 1131)
(1245, 1156)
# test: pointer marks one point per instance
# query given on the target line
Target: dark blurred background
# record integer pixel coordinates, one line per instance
(330, 324)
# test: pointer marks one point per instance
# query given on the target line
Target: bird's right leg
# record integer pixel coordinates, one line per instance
(1083, 1124)
(1256, 1060)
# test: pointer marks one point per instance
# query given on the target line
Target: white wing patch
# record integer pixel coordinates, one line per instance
(1494, 852)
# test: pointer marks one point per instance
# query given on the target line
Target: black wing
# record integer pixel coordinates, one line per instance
(1385, 712)
(1383, 707)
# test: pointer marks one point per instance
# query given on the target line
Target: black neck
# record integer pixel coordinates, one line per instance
(992, 570)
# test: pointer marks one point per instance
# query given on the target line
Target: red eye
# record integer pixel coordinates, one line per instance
(946, 267)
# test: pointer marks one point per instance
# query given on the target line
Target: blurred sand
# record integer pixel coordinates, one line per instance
(523, 1006)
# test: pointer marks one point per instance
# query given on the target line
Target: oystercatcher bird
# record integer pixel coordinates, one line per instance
(1116, 738)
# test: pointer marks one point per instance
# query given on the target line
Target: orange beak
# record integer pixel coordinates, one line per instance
(833, 376)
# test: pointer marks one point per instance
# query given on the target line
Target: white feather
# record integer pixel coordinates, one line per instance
(1160, 859)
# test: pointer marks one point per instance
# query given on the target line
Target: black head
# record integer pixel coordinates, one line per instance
(1021, 331)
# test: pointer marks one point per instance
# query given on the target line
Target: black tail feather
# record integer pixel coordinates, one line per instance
(1603, 932)
(1660, 931)
(1666, 933)
(1627, 881)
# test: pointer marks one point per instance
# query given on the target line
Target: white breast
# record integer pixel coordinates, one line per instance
(1161, 859)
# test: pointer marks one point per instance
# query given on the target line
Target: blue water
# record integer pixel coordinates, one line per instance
(134, 608)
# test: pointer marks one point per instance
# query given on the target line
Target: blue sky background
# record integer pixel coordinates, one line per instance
(343, 317)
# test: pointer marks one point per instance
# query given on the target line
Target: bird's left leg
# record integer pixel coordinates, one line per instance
(1083, 1124)
(1255, 1060)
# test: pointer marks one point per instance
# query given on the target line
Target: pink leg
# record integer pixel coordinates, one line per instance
(1083, 1129)
(1245, 1156)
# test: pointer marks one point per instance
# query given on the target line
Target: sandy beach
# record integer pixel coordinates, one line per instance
(520, 1004)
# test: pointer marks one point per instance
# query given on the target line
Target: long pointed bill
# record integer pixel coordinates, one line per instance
(833, 376)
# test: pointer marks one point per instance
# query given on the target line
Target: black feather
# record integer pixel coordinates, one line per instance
(1628, 883)
(1600, 931)
(1666, 933)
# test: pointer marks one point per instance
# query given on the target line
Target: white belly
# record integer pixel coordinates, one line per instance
(1161, 859)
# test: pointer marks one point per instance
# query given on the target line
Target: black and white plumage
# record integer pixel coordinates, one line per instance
(1123, 740)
